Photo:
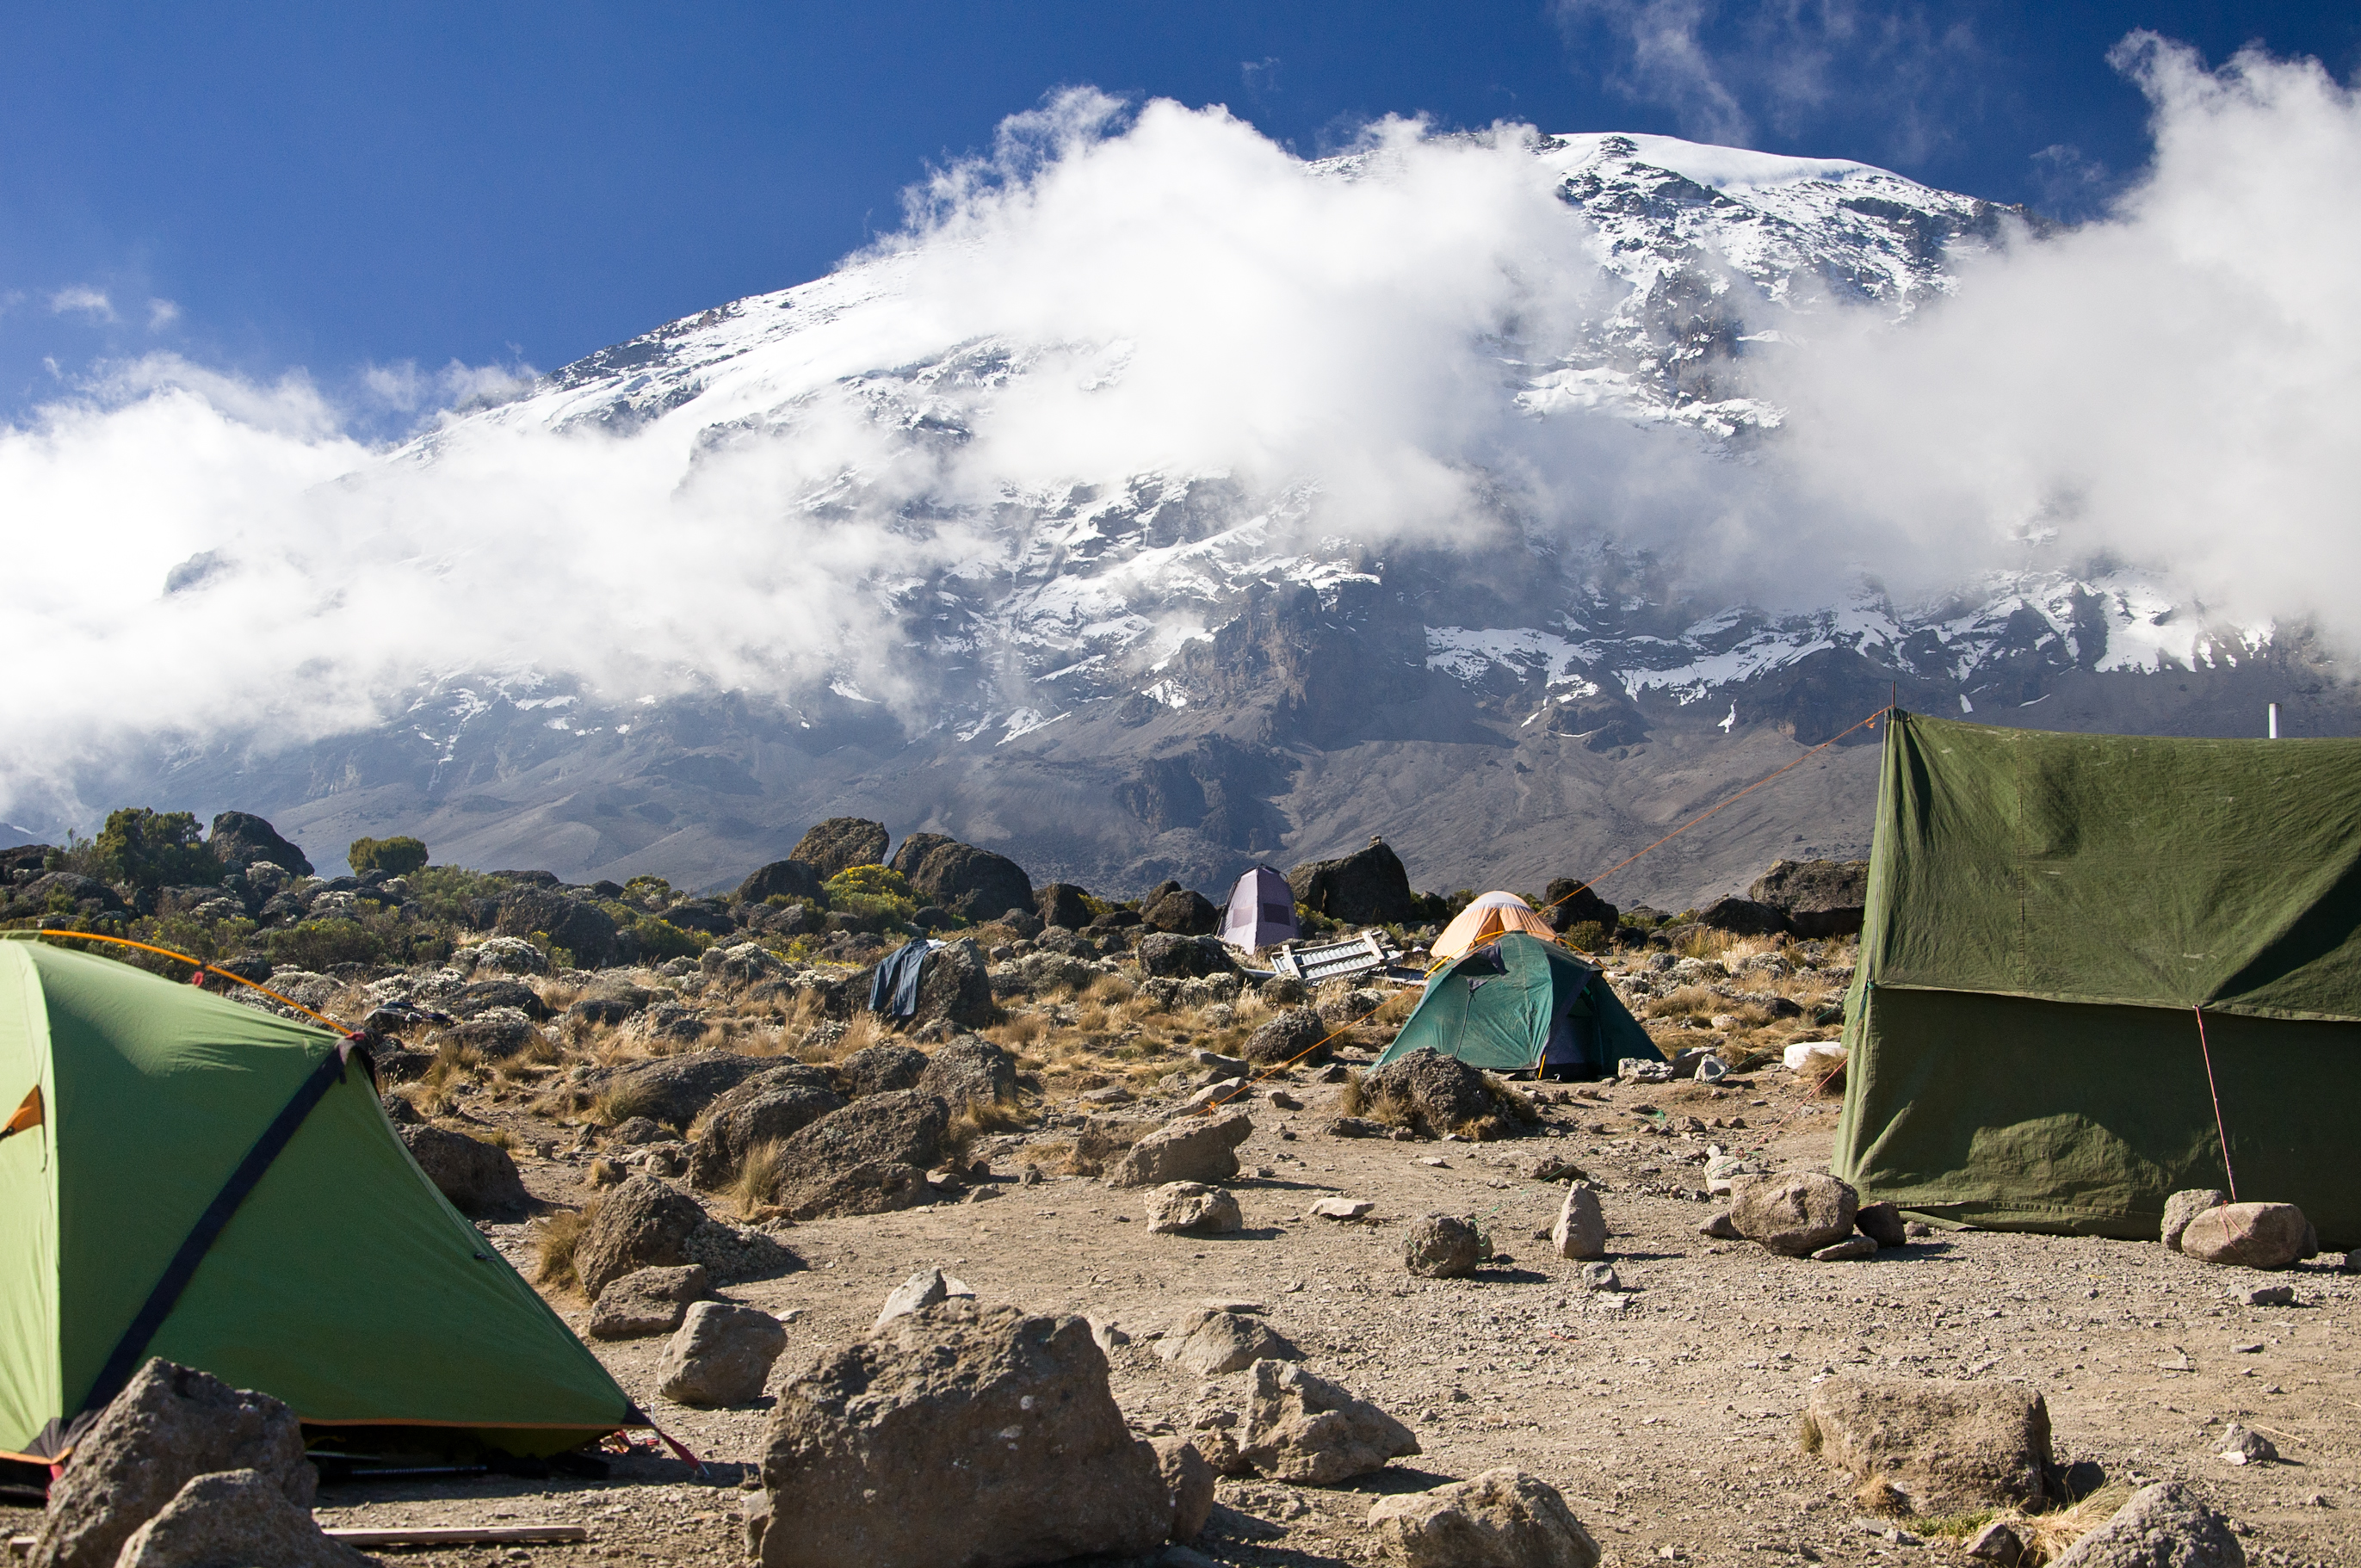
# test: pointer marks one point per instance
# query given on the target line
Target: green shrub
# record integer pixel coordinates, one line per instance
(443, 892)
(660, 940)
(1588, 936)
(395, 857)
(872, 896)
(154, 848)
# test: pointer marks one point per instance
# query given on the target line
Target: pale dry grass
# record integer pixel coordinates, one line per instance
(753, 1190)
(554, 1237)
(1019, 1030)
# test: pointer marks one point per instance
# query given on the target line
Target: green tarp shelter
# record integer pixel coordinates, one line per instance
(201, 1182)
(1516, 1002)
(2049, 919)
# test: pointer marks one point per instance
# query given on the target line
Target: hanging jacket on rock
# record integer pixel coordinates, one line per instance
(895, 990)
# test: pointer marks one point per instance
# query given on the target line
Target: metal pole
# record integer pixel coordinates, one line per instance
(2275, 721)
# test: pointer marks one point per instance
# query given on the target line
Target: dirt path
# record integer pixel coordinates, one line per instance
(1667, 1416)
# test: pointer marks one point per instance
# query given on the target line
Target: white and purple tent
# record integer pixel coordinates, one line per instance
(1261, 911)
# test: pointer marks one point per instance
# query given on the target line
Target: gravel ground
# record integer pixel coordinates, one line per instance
(1666, 1413)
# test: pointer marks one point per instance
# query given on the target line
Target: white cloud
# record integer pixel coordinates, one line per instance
(82, 301)
(2171, 383)
(161, 313)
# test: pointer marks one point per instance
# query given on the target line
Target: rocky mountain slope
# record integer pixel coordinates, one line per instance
(1128, 677)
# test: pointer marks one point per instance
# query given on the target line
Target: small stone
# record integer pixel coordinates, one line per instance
(1794, 1215)
(2164, 1526)
(1441, 1246)
(720, 1355)
(1851, 1249)
(1600, 1277)
(1502, 1518)
(1882, 1223)
(1581, 1228)
(648, 1301)
(2247, 1235)
(1343, 1209)
(2243, 1445)
(1303, 1428)
(1192, 1208)
(1190, 1480)
(1997, 1543)
(2183, 1207)
(921, 1290)
(1210, 1344)
(1719, 1228)
(1280, 1100)
(2271, 1296)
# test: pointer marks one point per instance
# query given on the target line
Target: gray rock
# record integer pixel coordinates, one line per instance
(1722, 1172)
(977, 1436)
(968, 1070)
(648, 1301)
(2183, 1207)
(1817, 898)
(871, 1158)
(1502, 1518)
(841, 843)
(476, 1177)
(1168, 955)
(1368, 887)
(240, 1516)
(2244, 1446)
(2164, 1526)
(732, 1253)
(1343, 1209)
(1303, 1428)
(1433, 1094)
(882, 1069)
(722, 1355)
(1211, 1342)
(1947, 1447)
(1285, 1037)
(1720, 1227)
(2271, 1296)
(1998, 1544)
(1581, 1228)
(1190, 1480)
(1442, 1246)
(1191, 1208)
(765, 1109)
(1852, 1249)
(673, 1089)
(1194, 1148)
(1794, 1215)
(1600, 1277)
(955, 987)
(169, 1426)
(1179, 910)
(970, 881)
(2247, 1235)
(641, 1223)
(1635, 1069)
(930, 1287)
(1882, 1223)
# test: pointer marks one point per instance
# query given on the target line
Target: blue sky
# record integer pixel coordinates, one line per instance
(332, 187)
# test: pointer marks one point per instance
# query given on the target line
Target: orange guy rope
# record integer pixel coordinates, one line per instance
(203, 968)
(2219, 1130)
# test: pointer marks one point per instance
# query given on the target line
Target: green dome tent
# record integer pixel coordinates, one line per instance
(193, 1180)
(1516, 1002)
(2094, 965)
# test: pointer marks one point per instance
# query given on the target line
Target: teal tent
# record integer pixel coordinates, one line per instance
(1517, 1002)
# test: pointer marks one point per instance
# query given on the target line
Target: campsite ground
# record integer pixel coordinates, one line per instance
(1667, 1414)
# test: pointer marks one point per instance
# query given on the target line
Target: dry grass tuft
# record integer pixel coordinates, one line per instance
(1351, 1097)
(618, 1103)
(1019, 1030)
(554, 1237)
(1109, 989)
(755, 1187)
(2048, 1536)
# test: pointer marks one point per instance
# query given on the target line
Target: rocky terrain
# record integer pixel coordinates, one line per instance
(689, 1139)
(1119, 678)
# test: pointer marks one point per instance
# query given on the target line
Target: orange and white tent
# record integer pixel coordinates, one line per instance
(1491, 915)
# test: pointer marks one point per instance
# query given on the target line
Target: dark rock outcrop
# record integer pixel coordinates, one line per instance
(476, 1177)
(1817, 898)
(581, 927)
(782, 879)
(1569, 902)
(869, 1158)
(974, 884)
(1172, 907)
(1061, 903)
(1176, 957)
(841, 843)
(239, 838)
(1368, 887)
(1741, 917)
(880, 1070)
(642, 1223)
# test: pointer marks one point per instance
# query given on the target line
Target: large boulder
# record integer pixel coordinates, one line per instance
(640, 1224)
(649, 1301)
(2249, 1235)
(1433, 1094)
(1173, 908)
(968, 1070)
(881, 1070)
(841, 843)
(1301, 1428)
(1502, 1518)
(495, 1033)
(1194, 1148)
(790, 879)
(476, 1177)
(871, 1158)
(1061, 903)
(169, 1426)
(1817, 898)
(1170, 955)
(1741, 917)
(235, 1516)
(1368, 887)
(1950, 1448)
(579, 926)
(958, 1434)
(483, 995)
(2167, 1524)
(239, 838)
(671, 1089)
(1794, 1215)
(975, 883)
(765, 1109)
(1210, 1343)
(1566, 903)
(721, 1354)
(955, 987)
(1292, 1035)
(2182, 1207)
